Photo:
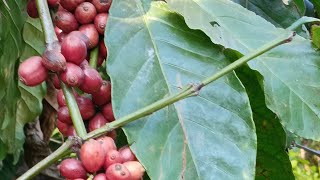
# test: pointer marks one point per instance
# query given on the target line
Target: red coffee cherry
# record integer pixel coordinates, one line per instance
(84, 64)
(91, 32)
(96, 122)
(32, 9)
(72, 168)
(85, 13)
(135, 168)
(71, 131)
(56, 82)
(70, 5)
(92, 81)
(101, 176)
(62, 127)
(107, 143)
(103, 96)
(74, 49)
(100, 22)
(32, 72)
(108, 112)
(118, 172)
(127, 154)
(61, 99)
(73, 75)
(64, 115)
(92, 155)
(86, 107)
(102, 49)
(65, 21)
(81, 36)
(112, 157)
(102, 5)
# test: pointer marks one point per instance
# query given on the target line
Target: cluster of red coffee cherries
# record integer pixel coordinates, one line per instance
(100, 157)
(68, 60)
(80, 26)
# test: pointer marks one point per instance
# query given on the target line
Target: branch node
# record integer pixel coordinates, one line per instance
(290, 37)
(76, 143)
(196, 88)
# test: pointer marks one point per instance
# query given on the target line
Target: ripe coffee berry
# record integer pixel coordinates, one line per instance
(96, 122)
(70, 5)
(32, 9)
(64, 115)
(73, 75)
(102, 5)
(32, 72)
(72, 168)
(100, 22)
(86, 107)
(62, 127)
(73, 49)
(61, 99)
(92, 81)
(81, 36)
(135, 168)
(108, 112)
(101, 176)
(84, 64)
(107, 143)
(127, 154)
(85, 13)
(91, 32)
(112, 157)
(92, 155)
(103, 96)
(65, 21)
(118, 172)
(71, 131)
(56, 82)
(61, 36)
(102, 49)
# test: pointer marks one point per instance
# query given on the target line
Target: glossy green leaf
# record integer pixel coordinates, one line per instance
(20, 39)
(12, 19)
(152, 53)
(274, 11)
(272, 160)
(291, 77)
(29, 106)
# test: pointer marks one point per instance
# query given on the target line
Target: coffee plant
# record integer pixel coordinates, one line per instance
(157, 89)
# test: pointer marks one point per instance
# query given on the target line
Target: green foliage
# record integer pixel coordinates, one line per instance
(315, 31)
(272, 159)
(22, 104)
(11, 46)
(275, 11)
(152, 53)
(302, 168)
(316, 5)
(290, 82)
